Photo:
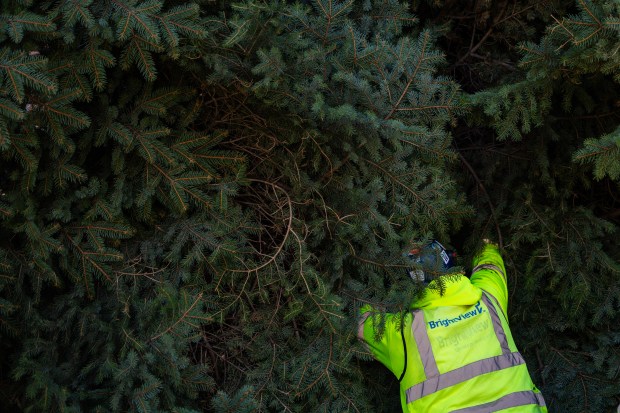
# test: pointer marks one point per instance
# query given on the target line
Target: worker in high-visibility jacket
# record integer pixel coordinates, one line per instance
(454, 351)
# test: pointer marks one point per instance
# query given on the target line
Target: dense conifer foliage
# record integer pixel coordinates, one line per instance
(196, 197)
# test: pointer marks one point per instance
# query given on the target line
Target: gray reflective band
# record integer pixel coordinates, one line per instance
(488, 267)
(494, 300)
(520, 398)
(360, 325)
(434, 381)
(497, 324)
(467, 372)
(418, 328)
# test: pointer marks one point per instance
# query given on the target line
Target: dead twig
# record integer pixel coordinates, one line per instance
(500, 239)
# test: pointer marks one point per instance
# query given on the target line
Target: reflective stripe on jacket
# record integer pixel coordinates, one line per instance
(455, 352)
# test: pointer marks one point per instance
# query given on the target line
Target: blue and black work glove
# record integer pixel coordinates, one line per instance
(432, 258)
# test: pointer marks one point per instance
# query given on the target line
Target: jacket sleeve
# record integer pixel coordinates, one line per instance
(381, 348)
(489, 274)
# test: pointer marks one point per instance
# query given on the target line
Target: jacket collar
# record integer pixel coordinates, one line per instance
(458, 291)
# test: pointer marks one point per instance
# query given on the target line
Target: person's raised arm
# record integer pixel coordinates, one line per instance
(489, 274)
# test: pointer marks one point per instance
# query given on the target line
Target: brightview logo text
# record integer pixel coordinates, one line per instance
(447, 321)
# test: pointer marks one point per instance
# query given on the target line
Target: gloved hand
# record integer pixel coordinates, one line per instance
(431, 256)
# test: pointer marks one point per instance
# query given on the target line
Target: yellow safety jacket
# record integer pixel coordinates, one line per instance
(455, 352)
